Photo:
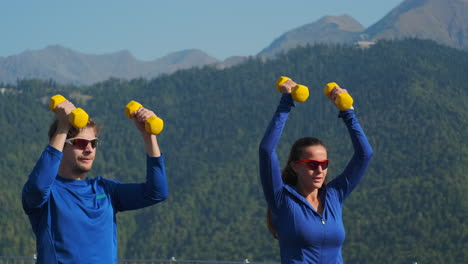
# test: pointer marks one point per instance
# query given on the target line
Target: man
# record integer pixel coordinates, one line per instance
(73, 216)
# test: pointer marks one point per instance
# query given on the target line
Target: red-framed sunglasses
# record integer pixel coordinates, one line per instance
(313, 164)
(82, 143)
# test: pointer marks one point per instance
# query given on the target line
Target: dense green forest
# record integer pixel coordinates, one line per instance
(410, 97)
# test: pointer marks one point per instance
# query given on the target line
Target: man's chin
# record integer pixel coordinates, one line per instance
(83, 169)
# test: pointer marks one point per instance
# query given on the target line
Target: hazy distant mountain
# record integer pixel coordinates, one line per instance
(329, 29)
(67, 66)
(177, 61)
(231, 61)
(444, 21)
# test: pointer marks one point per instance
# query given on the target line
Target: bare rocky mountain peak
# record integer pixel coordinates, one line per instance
(444, 21)
(344, 22)
(328, 29)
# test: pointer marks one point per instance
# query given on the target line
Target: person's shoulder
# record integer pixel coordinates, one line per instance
(331, 188)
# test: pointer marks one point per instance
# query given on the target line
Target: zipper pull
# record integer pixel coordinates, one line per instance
(323, 221)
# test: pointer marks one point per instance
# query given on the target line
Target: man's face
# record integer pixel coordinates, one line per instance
(78, 158)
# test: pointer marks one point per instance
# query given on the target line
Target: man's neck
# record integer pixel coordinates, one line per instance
(67, 174)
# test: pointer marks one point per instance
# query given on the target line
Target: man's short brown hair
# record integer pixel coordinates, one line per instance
(73, 130)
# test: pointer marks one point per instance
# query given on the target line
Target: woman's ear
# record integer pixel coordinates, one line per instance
(293, 166)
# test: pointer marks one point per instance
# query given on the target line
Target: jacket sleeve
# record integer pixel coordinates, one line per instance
(36, 191)
(354, 171)
(270, 174)
(134, 196)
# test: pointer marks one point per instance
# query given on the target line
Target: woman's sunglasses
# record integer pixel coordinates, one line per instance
(82, 143)
(313, 164)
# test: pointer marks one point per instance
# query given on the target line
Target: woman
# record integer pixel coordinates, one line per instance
(304, 213)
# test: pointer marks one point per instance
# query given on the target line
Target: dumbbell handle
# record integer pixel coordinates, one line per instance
(77, 118)
(153, 124)
(299, 93)
(343, 101)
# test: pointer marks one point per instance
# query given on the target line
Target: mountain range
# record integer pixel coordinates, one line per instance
(443, 21)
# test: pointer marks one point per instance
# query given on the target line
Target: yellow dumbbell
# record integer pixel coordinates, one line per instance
(77, 118)
(344, 101)
(299, 93)
(153, 125)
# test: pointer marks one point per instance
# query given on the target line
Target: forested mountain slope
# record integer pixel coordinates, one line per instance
(410, 97)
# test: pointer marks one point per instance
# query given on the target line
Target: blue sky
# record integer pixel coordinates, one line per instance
(150, 29)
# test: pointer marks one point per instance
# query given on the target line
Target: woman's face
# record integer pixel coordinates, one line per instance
(307, 178)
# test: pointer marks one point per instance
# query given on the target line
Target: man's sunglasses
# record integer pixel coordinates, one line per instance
(82, 143)
(313, 164)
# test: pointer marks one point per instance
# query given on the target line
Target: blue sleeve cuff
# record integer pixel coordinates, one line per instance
(155, 160)
(286, 103)
(286, 100)
(347, 114)
(54, 151)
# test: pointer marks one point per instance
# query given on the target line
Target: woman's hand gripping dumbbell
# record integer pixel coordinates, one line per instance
(340, 97)
(299, 92)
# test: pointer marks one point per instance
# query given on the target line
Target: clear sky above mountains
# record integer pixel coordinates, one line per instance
(150, 29)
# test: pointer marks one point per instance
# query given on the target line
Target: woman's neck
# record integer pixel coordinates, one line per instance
(308, 194)
(311, 196)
